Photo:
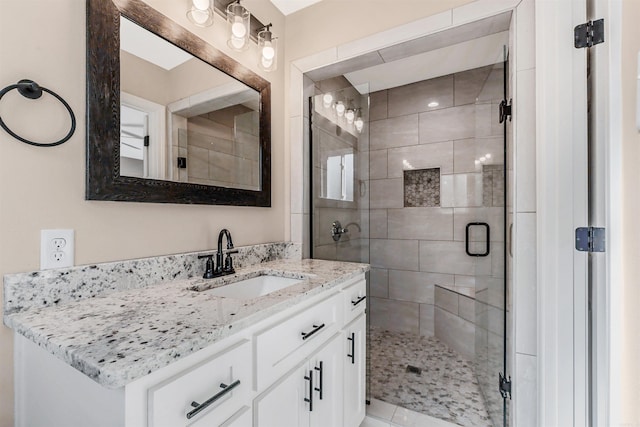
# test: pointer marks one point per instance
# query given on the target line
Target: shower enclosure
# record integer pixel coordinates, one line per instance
(418, 189)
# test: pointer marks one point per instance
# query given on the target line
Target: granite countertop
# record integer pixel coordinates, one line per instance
(119, 337)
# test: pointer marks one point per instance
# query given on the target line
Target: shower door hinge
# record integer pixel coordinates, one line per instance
(504, 385)
(589, 34)
(505, 110)
(146, 140)
(590, 239)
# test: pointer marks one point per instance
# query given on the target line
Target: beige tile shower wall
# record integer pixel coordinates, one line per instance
(415, 248)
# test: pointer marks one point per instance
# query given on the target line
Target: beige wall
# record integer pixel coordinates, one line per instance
(631, 182)
(333, 22)
(44, 187)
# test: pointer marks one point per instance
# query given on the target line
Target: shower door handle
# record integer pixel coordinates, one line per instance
(466, 243)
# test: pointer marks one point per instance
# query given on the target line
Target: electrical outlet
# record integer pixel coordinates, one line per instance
(56, 249)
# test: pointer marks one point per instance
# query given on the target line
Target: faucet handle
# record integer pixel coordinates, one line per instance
(208, 273)
(228, 262)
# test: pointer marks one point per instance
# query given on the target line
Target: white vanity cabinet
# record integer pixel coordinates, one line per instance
(310, 395)
(300, 367)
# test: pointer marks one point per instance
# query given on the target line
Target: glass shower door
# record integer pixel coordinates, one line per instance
(485, 240)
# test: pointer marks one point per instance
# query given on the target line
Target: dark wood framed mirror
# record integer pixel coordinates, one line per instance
(233, 133)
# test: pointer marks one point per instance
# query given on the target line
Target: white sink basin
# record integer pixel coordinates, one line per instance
(254, 287)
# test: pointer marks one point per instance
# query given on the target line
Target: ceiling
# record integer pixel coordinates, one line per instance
(287, 7)
(146, 45)
(469, 46)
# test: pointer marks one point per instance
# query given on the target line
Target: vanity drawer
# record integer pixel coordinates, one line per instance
(354, 300)
(282, 346)
(170, 401)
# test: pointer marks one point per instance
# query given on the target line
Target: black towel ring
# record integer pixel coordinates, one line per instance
(30, 89)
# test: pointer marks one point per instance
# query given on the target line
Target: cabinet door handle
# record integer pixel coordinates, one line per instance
(319, 389)
(315, 329)
(199, 407)
(310, 399)
(359, 300)
(352, 338)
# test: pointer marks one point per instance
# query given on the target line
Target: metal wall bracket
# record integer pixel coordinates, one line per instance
(590, 239)
(589, 34)
(504, 385)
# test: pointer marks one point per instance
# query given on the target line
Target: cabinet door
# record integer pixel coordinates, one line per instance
(354, 372)
(284, 404)
(327, 366)
(242, 418)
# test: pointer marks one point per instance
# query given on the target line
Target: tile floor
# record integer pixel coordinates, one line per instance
(446, 389)
(383, 414)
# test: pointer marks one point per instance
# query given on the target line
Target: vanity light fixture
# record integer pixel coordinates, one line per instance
(340, 108)
(239, 20)
(243, 27)
(267, 49)
(201, 13)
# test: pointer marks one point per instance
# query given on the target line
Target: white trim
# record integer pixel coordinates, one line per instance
(157, 133)
(561, 157)
(608, 275)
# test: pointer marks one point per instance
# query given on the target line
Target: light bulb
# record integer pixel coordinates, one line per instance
(268, 52)
(488, 155)
(433, 104)
(349, 115)
(340, 109)
(483, 159)
(359, 123)
(327, 99)
(238, 29)
(201, 4)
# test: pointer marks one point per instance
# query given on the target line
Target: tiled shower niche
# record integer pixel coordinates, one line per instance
(422, 188)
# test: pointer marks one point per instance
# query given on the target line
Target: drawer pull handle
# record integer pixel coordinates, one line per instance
(352, 338)
(315, 329)
(319, 389)
(359, 300)
(310, 399)
(199, 407)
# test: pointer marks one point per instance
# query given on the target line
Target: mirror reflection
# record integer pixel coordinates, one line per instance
(183, 120)
(338, 143)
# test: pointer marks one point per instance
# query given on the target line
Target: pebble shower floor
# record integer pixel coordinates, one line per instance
(446, 388)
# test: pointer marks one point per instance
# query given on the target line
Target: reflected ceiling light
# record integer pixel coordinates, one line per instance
(327, 100)
(268, 49)
(239, 20)
(200, 13)
(433, 104)
(488, 155)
